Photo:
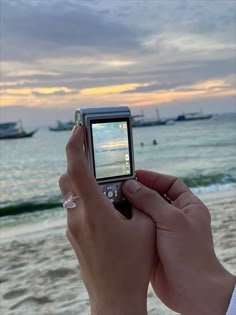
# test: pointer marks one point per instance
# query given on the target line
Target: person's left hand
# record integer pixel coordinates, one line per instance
(116, 255)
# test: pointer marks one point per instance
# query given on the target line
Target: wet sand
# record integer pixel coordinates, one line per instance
(39, 274)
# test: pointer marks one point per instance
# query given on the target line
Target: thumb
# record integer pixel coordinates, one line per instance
(150, 202)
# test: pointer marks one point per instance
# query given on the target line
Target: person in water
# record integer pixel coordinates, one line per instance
(167, 244)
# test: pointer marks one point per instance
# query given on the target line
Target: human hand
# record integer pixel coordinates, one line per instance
(116, 255)
(187, 277)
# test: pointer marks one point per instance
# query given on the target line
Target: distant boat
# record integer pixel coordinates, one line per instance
(14, 130)
(139, 121)
(192, 116)
(148, 123)
(62, 126)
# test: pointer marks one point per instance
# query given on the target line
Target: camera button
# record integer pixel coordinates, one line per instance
(110, 194)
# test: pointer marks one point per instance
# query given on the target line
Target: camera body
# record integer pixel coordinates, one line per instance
(109, 150)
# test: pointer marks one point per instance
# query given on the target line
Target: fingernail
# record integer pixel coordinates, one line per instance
(132, 186)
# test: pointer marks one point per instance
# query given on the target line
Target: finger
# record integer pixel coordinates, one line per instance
(73, 215)
(66, 186)
(78, 170)
(150, 202)
(81, 177)
(187, 199)
(140, 218)
(171, 186)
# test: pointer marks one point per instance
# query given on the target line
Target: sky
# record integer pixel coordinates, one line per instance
(59, 55)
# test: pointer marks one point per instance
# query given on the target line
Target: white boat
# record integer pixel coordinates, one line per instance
(192, 116)
(62, 126)
(14, 130)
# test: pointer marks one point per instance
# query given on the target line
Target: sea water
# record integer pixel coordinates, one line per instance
(202, 153)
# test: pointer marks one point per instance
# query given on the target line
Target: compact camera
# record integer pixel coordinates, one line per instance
(109, 150)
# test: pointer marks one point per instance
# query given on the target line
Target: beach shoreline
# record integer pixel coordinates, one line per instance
(39, 273)
(56, 225)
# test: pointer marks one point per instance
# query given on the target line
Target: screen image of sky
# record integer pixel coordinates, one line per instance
(111, 149)
(59, 55)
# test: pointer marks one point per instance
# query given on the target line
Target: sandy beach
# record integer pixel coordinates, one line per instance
(39, 273)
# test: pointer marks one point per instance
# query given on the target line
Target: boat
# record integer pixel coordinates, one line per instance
(62, 126)
(139, 121)
(148, 123)
(192, 116)
(14, 130)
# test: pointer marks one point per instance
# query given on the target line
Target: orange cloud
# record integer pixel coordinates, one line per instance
(113, 89)
(112, 95)
(52, 90)
(43, 90)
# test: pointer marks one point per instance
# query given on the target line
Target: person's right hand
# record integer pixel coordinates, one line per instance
(188, 277)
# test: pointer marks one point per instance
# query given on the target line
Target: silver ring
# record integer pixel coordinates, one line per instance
(68, 201)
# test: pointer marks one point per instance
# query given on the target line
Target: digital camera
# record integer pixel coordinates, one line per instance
(109, 150)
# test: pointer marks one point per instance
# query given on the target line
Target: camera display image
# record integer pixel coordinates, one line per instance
(111, 149)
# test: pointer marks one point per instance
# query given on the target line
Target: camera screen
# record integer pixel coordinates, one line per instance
(111, 149)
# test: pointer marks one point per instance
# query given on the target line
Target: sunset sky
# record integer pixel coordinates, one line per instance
(59, 55)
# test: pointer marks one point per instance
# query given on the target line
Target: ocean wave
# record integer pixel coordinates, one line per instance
(199, 183)
(204, 180)
(213, 188)
(31, 206)
(112, 150)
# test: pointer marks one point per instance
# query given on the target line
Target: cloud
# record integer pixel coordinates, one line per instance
(153, 87)
(177, 76)
(169, 75)
(58, 93)
(31, 31)
(97, 44)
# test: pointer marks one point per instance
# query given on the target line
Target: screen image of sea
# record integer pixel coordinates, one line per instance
(111, 149)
